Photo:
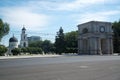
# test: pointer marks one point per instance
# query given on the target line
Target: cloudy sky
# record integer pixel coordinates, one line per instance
(45, 17)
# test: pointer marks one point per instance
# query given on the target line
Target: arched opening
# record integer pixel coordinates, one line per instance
(103, 46)
(85, 46)
(24, 44)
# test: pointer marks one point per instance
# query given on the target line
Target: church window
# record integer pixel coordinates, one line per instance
(24, 37)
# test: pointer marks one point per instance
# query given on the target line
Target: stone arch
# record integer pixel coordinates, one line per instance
(98, 40)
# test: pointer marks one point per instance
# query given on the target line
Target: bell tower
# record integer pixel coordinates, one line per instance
(24, 40)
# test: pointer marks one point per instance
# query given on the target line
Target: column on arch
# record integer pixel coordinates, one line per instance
(99, 52)
(109, 46)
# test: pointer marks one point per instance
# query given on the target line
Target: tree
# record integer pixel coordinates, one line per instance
(47, 46)
(24, 50)
(39, 50)
(116, 36)
(34, 50)
(71, 39)
(3, 49)
(36, 44)
(4, 29)
(16, 51)
(60, 42)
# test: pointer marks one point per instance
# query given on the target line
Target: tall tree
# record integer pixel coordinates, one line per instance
(71, 39)
(60, 41)
(3, 49)
(116, 36)
(4, 29)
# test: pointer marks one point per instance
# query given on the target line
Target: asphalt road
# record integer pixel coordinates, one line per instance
(61, 68)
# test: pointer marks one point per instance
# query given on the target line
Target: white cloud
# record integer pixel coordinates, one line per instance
(77, 4)
(64, 5)
(95, 16)
(30, 14)
(67, 5)
(19, 16)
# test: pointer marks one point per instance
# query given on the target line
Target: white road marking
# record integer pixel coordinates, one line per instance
(83, 67)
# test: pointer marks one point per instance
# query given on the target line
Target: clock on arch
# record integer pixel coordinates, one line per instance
(102, 29)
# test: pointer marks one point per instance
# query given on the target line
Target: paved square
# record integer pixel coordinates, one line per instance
(61, 68)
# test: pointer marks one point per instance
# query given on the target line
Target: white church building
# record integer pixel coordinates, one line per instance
(13, 41)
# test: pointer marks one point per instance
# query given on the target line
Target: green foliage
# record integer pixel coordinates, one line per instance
(16, 51)
(24, 50)
(60, 42)
(47, 46)
(34, 50)
(67, 43)
(3, 49)
(116, 36)
(35, 44)
(4, 29)
(71, 50)
(71, 42)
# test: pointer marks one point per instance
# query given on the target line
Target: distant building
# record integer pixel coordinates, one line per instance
(24, 40)
(34, 38)
(13, 43)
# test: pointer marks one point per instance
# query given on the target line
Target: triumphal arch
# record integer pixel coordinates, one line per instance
(95, 37)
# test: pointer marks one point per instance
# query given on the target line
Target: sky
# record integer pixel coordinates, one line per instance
(44, 17)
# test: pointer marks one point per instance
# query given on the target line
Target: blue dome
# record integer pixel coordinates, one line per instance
(13, 39)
